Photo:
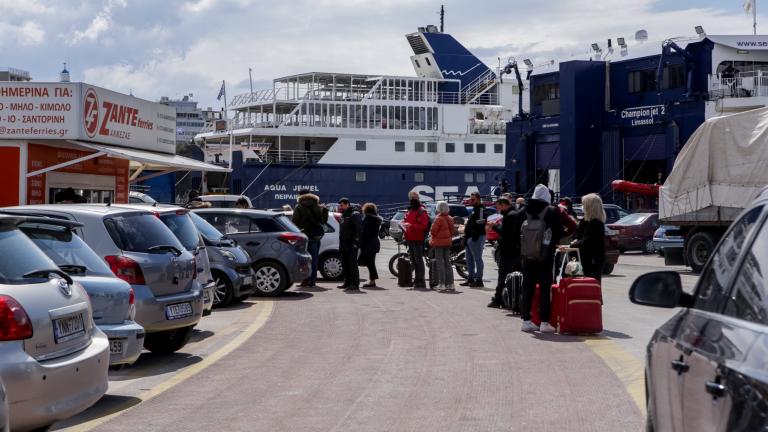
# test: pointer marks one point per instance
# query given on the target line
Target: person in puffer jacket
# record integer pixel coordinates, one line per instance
(416, 223)
(309, 218)
(442, 232)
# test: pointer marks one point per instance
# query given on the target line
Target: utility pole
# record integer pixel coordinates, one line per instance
(442, 19)
(754, 17)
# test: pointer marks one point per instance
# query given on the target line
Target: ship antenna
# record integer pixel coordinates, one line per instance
(442, 18)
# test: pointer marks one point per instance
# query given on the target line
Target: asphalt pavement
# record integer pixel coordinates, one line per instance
(391, 359)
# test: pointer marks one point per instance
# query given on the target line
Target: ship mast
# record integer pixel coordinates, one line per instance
(442, 18)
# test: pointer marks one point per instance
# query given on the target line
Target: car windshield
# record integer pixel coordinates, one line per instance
(183, 228)
(65, 248)
(139, 232)
(633, 219)
(26, 258)
(206, 230)
(287, 224)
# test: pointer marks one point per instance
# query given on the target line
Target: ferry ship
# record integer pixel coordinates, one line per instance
(371, 138)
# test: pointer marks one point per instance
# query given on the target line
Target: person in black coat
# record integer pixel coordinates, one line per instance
(369, 242)
(350, 232)
(509, 246)
(590, 237)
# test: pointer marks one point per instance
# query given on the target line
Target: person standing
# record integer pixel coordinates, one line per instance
(590, 237)
(350, 231)
(242, 203)
(416, 223)
(308, 217)
(509, 247)
(442, 232)
(474, 233)
(540, 233)
(369, 242)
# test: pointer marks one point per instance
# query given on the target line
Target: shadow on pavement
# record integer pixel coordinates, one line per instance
(292, 296)
(108, 404)
(611, 276)
(154, 364)
(615, 335)
(376, 288)
(555, 337)
(357, 291)
(450, 292)
(237, 306)
(312, 289)
(200, 335)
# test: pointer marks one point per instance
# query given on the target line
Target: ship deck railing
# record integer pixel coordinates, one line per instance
(740, 85)
(288, 157)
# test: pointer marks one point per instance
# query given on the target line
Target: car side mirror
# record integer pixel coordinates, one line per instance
(659, 289)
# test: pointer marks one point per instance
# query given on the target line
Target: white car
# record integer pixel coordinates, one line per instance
(224, 201)
(135, 197)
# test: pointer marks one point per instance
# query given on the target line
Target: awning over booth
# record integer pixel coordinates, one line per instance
(153, 160)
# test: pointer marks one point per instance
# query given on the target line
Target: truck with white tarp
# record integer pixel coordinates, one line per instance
(719, 171)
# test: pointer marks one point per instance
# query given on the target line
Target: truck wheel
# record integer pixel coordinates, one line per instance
(698, 249)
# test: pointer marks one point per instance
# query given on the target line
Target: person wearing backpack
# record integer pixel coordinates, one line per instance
(309, 218)
(474, 233)
(540, 233)
(416, 223)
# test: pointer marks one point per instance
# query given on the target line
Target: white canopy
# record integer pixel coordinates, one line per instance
(153, 160)
(721, 169)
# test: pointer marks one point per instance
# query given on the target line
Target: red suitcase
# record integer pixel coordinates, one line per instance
(577, 302)
(553, 311)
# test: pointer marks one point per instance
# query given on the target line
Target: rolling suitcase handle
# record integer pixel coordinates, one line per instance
(565, 251)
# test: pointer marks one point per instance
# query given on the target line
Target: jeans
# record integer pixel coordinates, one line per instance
(349, 267)
(416, 255)
(443, 269)
(313, 248)
(537, 272)
(474, 252)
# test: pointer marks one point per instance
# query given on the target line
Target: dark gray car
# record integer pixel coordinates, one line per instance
(277, 248)
(230, 265)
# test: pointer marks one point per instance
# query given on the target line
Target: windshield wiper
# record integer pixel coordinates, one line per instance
(164, 248)
(73, 268)
(46, 273)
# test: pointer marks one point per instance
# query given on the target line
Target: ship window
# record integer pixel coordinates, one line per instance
(545, 92)
(642, 81)
(480, 177)
(427, 60)
(480, 148)
(419, 147)
(399, 146)
(432, 147)
(360, 176)
(417, 63)
(468, 178)
(418, 177)
(360, 145)
(469, 148)
(498, 148)
(450, 147)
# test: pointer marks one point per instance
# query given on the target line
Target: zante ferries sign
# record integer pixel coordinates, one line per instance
(85, 112)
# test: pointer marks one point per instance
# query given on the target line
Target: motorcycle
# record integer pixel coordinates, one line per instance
(457, 256)
(384, 229)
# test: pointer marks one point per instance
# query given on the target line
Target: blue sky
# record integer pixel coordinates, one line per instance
(176, 47)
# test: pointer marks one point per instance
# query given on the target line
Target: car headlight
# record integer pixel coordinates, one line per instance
(227, 254)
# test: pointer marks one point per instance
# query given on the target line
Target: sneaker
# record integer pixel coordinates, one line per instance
(529, 327)
(352, 288)
(450, 287)
(547, 328)
(343, 286)
(477, 284)
(468, 282)
(494, 304)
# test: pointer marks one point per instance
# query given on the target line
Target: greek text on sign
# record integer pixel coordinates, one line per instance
(647, 115)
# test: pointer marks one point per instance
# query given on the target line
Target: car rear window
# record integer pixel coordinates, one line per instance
(26, 257)
(65, 248)
(139, 232)
(287, 224)
(206, 230)
(183, 228)
(633, 219)
(279, 223)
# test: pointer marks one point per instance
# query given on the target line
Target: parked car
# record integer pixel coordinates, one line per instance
(135, 197)
(142, 251)
(54, 359)
(705, 367)
(230, 265)
(667, 236)
(4, 420)
(635, 231)
(395, 230)
(277, 248)
(612, 212)
(224, 201)
(113, 300)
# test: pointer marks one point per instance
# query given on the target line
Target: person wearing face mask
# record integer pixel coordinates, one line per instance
(416, 224)
(474, 232)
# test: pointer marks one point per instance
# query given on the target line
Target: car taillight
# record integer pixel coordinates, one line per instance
(131, 305)
(14, 321)
(291, 238)
(125, 269)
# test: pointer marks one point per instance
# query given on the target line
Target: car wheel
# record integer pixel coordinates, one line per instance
(271, 279)
(330, 267)
(608, 268)
(223, 293)
(648, 247)
(167, 342)
(393, 263)
(698, 249)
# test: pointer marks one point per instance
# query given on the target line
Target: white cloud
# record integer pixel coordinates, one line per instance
(100, 23)
(29, 33)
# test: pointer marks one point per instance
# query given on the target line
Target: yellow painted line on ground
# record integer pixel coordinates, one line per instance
(624, 365)
(263, 311)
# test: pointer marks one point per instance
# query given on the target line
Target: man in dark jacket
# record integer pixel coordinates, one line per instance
(350, 231)
(509, 246)
(308, 217)
(539, 270)
(474, 232)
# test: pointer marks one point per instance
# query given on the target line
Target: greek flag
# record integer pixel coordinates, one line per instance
(221, 91)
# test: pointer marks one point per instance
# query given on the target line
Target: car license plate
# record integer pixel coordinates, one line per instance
(68, 328)
(116, 346)
(247, 280)
(178, 310)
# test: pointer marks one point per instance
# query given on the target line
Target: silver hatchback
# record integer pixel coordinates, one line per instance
(142, 251)
(113, 299)
(54, 359)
